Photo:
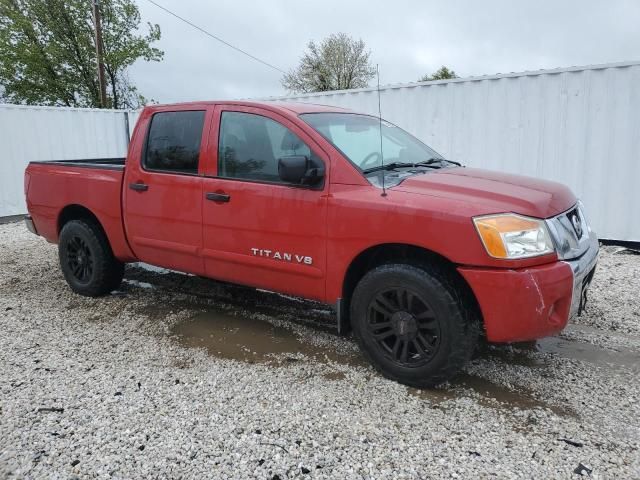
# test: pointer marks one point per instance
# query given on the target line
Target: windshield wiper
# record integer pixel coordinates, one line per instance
(433, 160)
(388, 166)
(424, 163)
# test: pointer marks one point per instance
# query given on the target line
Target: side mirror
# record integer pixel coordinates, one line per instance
(298, 169)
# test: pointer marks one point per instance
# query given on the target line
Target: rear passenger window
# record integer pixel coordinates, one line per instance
(250, 146)
(173, 144)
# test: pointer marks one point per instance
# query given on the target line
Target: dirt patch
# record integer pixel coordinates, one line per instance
(334, 376)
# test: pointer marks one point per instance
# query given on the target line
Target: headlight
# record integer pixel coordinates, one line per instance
(512, 236)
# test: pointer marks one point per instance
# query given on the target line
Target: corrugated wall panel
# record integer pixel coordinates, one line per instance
(133, 119)
(579, 126)
(43, 133)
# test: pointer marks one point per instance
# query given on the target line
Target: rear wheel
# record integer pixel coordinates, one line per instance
(86, 259)
(415, 325)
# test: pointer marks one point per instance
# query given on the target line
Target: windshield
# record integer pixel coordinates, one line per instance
(358, 138)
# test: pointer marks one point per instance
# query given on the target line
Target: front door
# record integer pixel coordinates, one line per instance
(163, 191)
(259, 230)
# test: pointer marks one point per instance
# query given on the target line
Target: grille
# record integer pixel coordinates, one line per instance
(570, 233)
(576, 222)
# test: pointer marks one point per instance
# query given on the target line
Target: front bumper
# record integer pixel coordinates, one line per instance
(535, 302)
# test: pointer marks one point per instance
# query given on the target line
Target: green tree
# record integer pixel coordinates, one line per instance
(338, 62)
(443, 73)
(48, 54)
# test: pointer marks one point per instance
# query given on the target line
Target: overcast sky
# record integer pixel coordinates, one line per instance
(406, 38)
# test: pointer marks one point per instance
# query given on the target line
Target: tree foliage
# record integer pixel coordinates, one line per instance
(48, 54)
(443, 73)
(338, 62)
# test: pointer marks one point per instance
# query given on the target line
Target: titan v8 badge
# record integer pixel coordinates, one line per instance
(282, 256)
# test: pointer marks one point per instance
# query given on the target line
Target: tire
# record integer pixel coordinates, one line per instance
(425, 309)
(86, 259)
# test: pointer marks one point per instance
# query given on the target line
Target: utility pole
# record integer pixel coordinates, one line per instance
(98, 28)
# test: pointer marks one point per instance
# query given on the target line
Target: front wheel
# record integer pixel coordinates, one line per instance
(415, 325)
(86, 259)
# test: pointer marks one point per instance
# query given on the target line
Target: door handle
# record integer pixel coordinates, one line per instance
(139, 187)
(218, 197)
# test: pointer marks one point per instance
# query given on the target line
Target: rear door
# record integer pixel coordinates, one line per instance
(259, 230)
(163, 188)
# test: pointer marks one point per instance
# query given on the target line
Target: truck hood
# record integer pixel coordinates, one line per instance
(493, 192)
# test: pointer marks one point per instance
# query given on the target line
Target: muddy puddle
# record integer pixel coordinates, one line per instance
(251, 334)
(253, 341)
(258, 341)
(250, 340)
(523, 353)
(206, 291)
(490, 395)
(588, 352)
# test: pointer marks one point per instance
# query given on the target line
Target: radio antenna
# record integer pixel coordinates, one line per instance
(384, 192)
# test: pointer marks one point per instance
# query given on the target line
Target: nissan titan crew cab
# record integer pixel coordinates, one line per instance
(419, 255)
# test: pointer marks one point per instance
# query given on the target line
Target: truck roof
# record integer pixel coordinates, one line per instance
(290, 107)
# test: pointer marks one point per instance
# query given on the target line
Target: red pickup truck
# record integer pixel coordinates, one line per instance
(420, 255)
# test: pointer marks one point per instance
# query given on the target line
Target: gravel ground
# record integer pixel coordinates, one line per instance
(115, 387)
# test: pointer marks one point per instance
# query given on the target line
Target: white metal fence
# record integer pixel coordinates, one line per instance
(579, 126)
(45, 133)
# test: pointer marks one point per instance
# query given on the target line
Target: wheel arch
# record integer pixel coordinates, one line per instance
(385, 253)
(77, 212)
(112, 228)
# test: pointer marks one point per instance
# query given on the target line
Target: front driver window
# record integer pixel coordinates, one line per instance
(250, 145)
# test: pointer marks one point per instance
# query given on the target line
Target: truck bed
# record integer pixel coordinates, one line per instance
(94, 185)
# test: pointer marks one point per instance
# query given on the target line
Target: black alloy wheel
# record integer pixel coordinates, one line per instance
(404, 326)
(416, 324)
(86, 258)
(79, 259)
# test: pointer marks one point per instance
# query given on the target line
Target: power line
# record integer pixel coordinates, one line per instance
(216, 38)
